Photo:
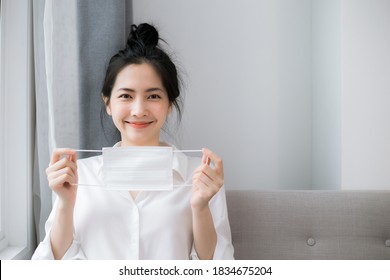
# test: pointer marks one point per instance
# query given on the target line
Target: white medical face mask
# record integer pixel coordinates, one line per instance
(138, 168)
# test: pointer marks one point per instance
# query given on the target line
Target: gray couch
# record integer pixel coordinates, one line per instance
(310, 224)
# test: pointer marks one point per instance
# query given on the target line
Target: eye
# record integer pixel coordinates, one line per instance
(125, 96)
(154, 97)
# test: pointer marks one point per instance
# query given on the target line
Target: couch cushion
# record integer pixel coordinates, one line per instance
(310, 224)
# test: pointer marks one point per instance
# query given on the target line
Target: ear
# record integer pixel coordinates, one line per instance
(170, 109)
(105, 100)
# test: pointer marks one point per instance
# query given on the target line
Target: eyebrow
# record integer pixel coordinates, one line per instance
(148, 90)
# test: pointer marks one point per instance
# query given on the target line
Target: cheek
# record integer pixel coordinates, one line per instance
(163, 112)
(118, 114)
(119, 111)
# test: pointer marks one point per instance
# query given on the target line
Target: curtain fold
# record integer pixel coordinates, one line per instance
(102, 30)
(41, 191)
(73, 42)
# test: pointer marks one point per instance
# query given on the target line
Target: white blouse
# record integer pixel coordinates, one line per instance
(156, 225)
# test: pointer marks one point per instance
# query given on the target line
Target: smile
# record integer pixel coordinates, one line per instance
(139, 124)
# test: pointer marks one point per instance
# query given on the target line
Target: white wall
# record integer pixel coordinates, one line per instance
(293, 94)
(366, 94)
(326, 94)
(248, 96)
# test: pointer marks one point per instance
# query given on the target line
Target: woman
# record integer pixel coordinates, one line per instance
(140, 88)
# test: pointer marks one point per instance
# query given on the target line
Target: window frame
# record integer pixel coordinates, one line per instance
(2, 226)
(16, 129)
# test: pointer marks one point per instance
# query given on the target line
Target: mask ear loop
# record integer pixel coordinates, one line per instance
(174, 151)
(207, 161)
(90, 151)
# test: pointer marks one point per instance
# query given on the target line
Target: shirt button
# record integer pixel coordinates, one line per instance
(387, 243)
(311, 241)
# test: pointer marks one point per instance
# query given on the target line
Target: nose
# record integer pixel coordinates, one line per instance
(139, 108)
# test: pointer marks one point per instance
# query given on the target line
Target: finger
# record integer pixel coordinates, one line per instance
(208, 182)
(198, 169)
(55, 174)
(216, 159)
(206, 170)
(72, 164)
(205, 159)
(73, 157)
(213, 175)
(200, 184)
(57, 153)
(63, 163)
(202, 187)
(61, 180)
(209, 172)
(56, 166)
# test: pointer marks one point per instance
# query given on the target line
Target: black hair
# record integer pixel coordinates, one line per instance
(143, 47)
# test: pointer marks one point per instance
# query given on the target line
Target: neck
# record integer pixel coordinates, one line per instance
(150, 143)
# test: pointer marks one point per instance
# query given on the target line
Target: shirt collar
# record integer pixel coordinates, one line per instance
(180, 164)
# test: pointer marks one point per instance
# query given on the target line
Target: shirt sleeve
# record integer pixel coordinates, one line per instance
(44, 250)
(224, 248)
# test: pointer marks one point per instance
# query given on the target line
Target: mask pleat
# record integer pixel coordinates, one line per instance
(138, 168)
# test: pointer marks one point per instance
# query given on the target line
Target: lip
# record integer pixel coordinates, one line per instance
(139, 125)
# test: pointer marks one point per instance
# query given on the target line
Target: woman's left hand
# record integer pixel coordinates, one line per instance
(206, 180)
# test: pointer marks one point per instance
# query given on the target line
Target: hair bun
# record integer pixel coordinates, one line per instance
(144, 34)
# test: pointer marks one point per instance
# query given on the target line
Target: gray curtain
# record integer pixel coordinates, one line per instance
(73, 42)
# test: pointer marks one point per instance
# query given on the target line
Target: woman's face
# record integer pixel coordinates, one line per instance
(139, 105)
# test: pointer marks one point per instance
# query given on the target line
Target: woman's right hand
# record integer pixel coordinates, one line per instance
(62, 175)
